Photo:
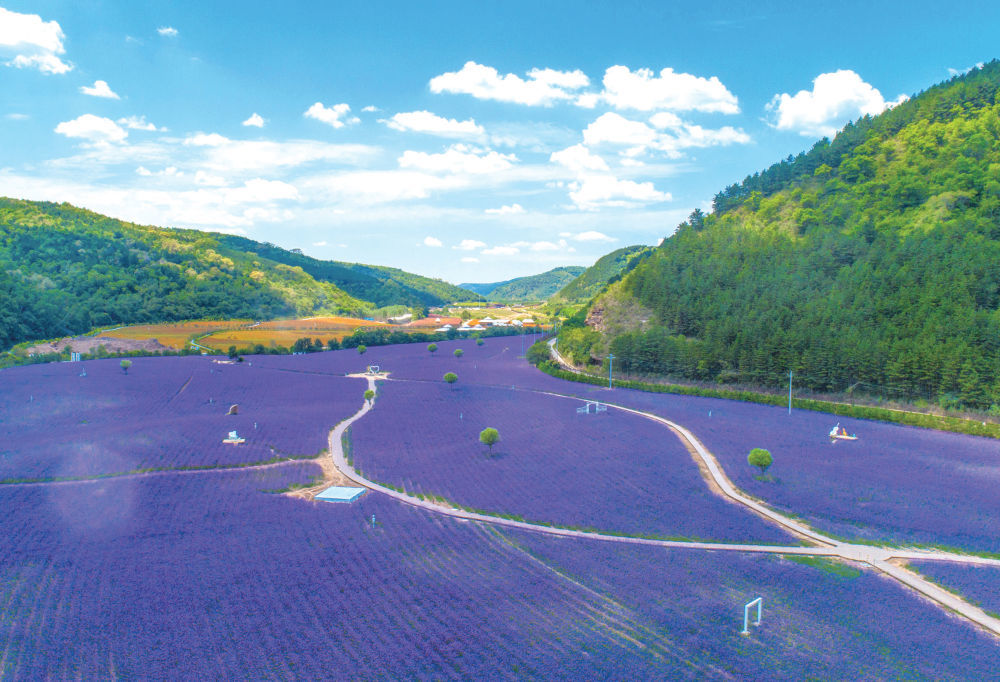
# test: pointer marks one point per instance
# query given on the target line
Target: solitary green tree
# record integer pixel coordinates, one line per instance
(369, 394)
(489, 437)
(232, 352)
(125, 364)
(362, 349)
(459, 352)
(760, 458)
(479, 342)
(432, 347)
(450, 378)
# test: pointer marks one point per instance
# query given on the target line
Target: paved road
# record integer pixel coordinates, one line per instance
(879, 558)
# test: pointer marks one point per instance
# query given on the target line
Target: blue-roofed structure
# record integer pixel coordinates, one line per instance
(339, 493)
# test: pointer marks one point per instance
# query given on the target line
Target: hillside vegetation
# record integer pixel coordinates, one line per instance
(871, 263)
(531, 288)
(65, 270)
(608, 267)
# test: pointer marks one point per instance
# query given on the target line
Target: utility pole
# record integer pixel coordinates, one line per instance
(789, 391)
(611, 363)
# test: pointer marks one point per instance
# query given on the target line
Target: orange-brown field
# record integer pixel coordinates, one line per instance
(321, 324)
(175, 334)
(247, 338)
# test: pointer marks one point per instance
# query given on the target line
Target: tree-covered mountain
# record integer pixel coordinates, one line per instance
(871, 261)
(379, 284)
(65, 270)
(590, 282)
(531, 288)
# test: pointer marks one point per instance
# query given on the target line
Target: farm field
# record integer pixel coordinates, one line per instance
(176, 334)
(978, 584)
(165, 413)
(611, 471)
(212, 573)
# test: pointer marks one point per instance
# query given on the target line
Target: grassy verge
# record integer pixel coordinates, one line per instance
(927, 421)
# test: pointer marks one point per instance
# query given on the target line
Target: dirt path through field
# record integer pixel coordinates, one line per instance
(880, 559)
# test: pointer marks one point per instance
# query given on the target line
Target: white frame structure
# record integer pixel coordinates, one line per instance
(374, 369)
(759, 602)
(598, 407)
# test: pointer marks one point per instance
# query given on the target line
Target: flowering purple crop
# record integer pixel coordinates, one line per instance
(979, 585)
(167, 412)
(894, 484)
(610, 471)
(193, 575)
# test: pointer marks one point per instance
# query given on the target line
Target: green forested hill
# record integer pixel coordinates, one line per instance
(381, 285)
(531, 288)
(871, 261)
(594, 278)
(65, 270)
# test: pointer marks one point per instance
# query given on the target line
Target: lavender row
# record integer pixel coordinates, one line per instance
(165, 413)
(610, 471)
(979, 585)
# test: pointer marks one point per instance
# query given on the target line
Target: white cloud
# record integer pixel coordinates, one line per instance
(642, 90)
(432, 124)
(469, 245)
(470, 259)
(100, 89)
(548, 246)
(578, 158)
(206, 140)
(674, 134)
(335, 116)
(32, 42)
(541, 87)
(168, 31)
(506, 210)
(319, 243)
(93, 129)
(591, 236)
(616, 129)
(17, 117)
(594, 191)
(381, 186)
(138, 123)
(209, 180)
(501, 251)
(458, 158)
(259, 156)
(432, 241)
(958, 72)
(370, 109)
(255, 121)
(835, 99)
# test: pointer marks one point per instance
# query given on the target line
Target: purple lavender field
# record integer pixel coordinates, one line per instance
(979, 585)
(166, 412)
(894, 484)
(610, 471)
(193, 575)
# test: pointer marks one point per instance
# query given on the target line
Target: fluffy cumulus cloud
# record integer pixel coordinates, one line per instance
(588, 236)
(668, 134)
(506, 210)
(138, 123)
(255, 121)
(167, 31)
(579, 158)
(501, 251)
(99, 89)
(835, 99)
(31, 42)
(458, 158)
(432, 124)
(381, 186)
(539, 87)
(469, 245)
(221, 154)
(432, 241)
(643, 90)
(93, 129)
(336, 116)
(596, 191)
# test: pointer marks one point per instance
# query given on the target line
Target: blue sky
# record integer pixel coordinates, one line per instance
(468, 141)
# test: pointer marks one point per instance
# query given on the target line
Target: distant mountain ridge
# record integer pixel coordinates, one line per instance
(531, 288)
(590, 282)
(870, 262)
(65, 270)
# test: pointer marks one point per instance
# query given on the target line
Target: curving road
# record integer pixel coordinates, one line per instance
(879, 558)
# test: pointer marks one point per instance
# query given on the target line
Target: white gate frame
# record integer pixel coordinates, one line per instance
(759, 602)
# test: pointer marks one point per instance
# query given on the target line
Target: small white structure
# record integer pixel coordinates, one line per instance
(759, 603)
(373, 369)
(598, 407)
(234, 439)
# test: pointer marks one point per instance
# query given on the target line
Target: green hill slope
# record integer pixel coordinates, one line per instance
(65, 270)
(870, 261)
(379, 284)
(531, 288)
(590, 282)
